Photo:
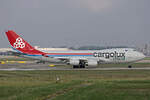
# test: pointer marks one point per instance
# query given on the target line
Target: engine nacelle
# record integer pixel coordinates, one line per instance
(74, 62)
(92, 63)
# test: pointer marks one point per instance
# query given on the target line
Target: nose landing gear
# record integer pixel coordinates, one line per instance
(129, 66)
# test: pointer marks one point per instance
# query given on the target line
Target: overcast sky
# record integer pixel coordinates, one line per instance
(50, 23)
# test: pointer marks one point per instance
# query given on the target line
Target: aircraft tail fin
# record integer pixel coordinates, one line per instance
(20, 44)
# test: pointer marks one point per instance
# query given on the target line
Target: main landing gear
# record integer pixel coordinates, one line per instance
(78, 66)
(82, 64)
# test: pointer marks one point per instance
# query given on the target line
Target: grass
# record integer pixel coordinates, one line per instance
(75, 85)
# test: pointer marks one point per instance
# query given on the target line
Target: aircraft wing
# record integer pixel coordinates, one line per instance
(83, 59)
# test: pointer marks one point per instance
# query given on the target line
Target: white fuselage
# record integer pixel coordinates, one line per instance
(118, 55)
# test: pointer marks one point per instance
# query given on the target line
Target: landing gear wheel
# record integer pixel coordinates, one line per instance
(129, 66)
(75, 66)
(82, 64)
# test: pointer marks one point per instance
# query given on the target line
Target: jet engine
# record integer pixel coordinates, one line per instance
(92, 63)
(74, 62)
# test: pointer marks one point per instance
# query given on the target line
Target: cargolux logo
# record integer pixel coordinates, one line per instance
(19, 43)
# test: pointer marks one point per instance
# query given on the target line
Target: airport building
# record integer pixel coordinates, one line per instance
(144, 49)
(4, 51)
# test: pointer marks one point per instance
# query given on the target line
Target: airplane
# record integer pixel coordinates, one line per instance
(76, 58)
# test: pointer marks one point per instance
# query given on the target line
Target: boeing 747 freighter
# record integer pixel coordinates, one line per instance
(76, 58)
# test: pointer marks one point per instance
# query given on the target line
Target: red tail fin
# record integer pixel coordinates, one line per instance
(20, 44)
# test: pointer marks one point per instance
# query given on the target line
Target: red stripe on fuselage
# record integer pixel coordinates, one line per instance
(68, 53)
